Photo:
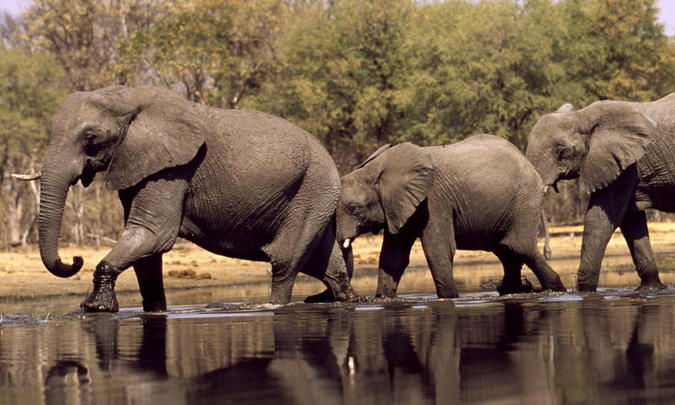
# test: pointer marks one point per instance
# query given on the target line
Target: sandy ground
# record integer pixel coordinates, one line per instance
(193, 272)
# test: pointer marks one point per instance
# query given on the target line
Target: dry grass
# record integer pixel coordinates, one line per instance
(189, 269)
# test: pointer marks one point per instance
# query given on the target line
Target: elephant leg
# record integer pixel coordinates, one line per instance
(290, 252)
(634, 230)
(155, 212)
(439, 246)
(512, 265)
(149, 275)
(605, 212)
(548, 278)
(394, 258)
(334, 265)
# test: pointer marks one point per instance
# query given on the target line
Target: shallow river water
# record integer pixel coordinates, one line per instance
(615, 346)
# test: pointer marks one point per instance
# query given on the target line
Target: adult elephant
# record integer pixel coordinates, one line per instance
(242, 184)
(624, 155)
(477, 194)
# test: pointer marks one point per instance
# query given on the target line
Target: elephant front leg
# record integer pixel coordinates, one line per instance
(598, 229)
(394, 258)
(142, 248)
(102, 298)
(153, 216)
(634, 230)
(438, 242)
(606, 209)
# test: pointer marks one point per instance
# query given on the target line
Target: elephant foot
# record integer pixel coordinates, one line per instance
(522, 287)
(154, 306)
(586, 288)
(325, 296)
(346, 293)
(656, 285)
(448, 292)
(103, 298)
(556, 286)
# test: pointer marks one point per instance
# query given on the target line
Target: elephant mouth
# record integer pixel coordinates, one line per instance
(87, 177)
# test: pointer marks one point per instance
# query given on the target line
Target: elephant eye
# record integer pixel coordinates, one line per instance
(353, 207)
(91, 146)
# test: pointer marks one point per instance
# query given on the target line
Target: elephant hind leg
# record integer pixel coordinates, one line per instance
(290, 252)
(512, 264)
(334, 266)
(548, 278)
(634, 230)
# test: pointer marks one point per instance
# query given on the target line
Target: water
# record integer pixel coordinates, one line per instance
(611, 347)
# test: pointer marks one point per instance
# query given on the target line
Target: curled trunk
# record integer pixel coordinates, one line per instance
(52, 201)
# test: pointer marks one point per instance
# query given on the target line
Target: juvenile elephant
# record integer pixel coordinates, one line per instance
(242, 184)
(624, 155)
(477, 194)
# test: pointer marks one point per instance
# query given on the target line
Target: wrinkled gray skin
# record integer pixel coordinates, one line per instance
(242, 184)
(624, 155)
(478, 194)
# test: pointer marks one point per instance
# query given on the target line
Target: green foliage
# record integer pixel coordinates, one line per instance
(355, 73)
(342, 67)
(359, 74)
(30, 92)
(218, 50)
(615, 49)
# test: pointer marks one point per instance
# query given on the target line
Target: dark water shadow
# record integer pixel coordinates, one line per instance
(611, 347)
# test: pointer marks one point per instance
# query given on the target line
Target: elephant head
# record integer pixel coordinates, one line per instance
(594, 144)
(131, 133)
(385, 190)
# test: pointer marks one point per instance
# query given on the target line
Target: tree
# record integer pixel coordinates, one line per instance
(219, 51)
(83, 34)
(616, 49)
(342, 71)
(30, 92)
(480, 67)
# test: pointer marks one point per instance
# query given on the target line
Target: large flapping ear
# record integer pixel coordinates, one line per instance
(616, 142)
(405, 181)
(163, 131)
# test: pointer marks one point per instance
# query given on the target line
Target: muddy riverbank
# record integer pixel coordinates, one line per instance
(192, 275)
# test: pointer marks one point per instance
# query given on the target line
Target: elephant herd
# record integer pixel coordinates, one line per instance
(249, 185)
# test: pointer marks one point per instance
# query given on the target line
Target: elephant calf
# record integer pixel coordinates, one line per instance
(477, 194)
(242, 184)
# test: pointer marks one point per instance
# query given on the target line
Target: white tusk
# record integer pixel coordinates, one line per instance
(545, 189)
(27, 177)
(346, 243)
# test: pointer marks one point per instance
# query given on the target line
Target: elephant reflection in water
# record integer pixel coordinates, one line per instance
(621, 353)
(441, 354)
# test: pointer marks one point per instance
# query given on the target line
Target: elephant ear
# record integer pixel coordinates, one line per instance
(375, 154)
(166, 133)
(618, 142)
(405, 180)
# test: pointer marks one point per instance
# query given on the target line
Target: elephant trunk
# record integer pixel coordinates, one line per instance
(346, 228)
(53, 192)
(545, 167)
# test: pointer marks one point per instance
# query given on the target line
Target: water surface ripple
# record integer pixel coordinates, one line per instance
(615, 346)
